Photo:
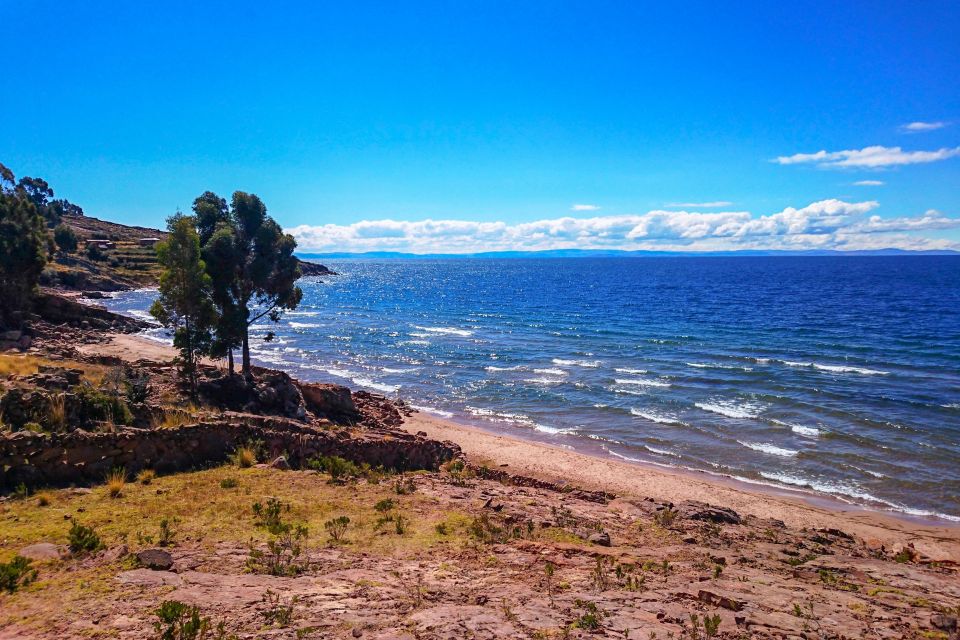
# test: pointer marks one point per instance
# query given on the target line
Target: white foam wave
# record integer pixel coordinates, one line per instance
(494, 369)
(643, 382)
(447, 331)
(551, 372)
(420, 343)
(433, 410)
(589, 364)
(766, 447)
(662, 452)
(656, 417)
(813, 432)
(379, 386)
(545, 381)
(731, 409)
(633, 371)
(715, 365)
(309, 314)
(835, 368)
(303, 325)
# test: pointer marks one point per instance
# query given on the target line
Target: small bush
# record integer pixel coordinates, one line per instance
(340, 469)
(590, 619)
(269, 515)
(244, 456)
(336, 527)
(178, 621)
(146, 476)
(282, 557)
(665, 517)
(384, 505)
(57, 413)
(16, 573)
(229, 483)
(167, 534)
(22, 492)
(404, 487)
(400, 524)
(83, 539)
(276, 613)
(44, 498)
(95, 405)
(116, 481)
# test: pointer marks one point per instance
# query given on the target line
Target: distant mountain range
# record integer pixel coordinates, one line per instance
(597, 253)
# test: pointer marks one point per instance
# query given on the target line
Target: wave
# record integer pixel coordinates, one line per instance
(662, 452)
(633, 371)
(798, 429)
(421, 343)
(493, 369)
(379, 386)
(302, 313)
(551, 372)
(643, 382)
(765, 447)
(546, 381)
(446, 331)
(433, 410)
(714, 365)
(589, 364)
(836, 368)
(656, 417)
(731, 409)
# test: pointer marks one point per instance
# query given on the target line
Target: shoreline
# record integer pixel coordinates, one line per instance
(936, 538)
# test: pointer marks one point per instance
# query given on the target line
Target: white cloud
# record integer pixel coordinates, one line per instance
(868, 183)
(875, 157)
(826, 224)
(920, 127)
(700, 205)
(584, 207)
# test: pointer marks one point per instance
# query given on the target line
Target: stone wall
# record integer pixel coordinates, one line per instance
(81, 457)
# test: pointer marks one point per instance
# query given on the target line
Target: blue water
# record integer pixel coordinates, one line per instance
(834, 375)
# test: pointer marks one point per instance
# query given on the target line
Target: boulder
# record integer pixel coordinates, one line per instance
(155, 559)
(280, 462)
(331, 401)
(695, 510)
(601, 538)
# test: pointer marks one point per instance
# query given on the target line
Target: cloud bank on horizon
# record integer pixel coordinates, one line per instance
(826, 224)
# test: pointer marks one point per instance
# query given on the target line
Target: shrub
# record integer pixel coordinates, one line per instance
(268, 516)
(400, 524)
(665, 517)
(403, 486)
(57, 413)
(336, 528)
(282, 557)
(167, 534)
(95, 405)
(44, 498)
(384, 505)
(146, 476)
(340, 469)
(229, 483)
(137, 387)
(116, 481)
(244, 456)
(589, 620)
(16, 573)
(178, 621)
(83, 539)
(276, 613)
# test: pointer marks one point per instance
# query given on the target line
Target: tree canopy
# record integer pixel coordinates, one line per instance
(24, 242)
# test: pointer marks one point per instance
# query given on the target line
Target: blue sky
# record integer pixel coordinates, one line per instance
(480, 125)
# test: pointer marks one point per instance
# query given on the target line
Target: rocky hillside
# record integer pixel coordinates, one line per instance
(124, 260)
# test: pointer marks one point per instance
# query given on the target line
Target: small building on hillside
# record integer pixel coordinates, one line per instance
(100, 244)
(149, 242)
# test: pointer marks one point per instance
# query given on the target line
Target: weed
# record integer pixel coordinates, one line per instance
(282, 557)
(16, 573)
(57, 413)
(116, 481)
(385, 505)
(404, 486)
(229, 483)
(400, 524)
(905, 555)
(665, 517)
(442, 528)
(269, 516)
(276, 613)
(22, 492)
(178, 621)
(244, 456)
(83, 539)
(340, 469)
(167, 534)
(707, 628)
(44, 498)
(717, 570)
(336, 527)
(591, 617)
(146, 476)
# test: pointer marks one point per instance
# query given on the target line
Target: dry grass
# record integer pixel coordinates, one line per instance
(172, 419)
(116, 481)
(244, 457)
(12, 364)
(57, 414)
(146, 476)
(44, 498)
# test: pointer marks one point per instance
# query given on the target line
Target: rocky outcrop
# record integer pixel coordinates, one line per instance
(56, 309)
(308, 269)
(331, 401)
(82, 457)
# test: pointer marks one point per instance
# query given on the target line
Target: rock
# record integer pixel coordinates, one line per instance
(357, 632)
(11, 336)
(941, 621)
(601, 538)
(695, 510)
(716, 600)
(331, 401)
(43, 551)
(115, 553)
(155, 559)
(280, 462)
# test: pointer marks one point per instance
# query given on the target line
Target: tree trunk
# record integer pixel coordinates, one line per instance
(246, 354)
(230, 361)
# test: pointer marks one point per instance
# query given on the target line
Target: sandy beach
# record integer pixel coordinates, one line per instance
(935, 539)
